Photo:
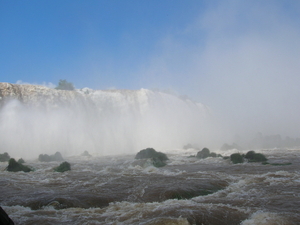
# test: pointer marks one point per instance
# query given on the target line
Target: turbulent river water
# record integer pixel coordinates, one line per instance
(120, 190)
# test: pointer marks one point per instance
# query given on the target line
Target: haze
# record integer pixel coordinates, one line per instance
(240, 58)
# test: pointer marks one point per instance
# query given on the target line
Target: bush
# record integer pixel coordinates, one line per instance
(65, 166)
(65, 85)
(236, 158)
(4, 157)
(14, 166)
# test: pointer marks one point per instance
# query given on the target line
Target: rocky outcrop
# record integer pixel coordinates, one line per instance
(158, 159)
(65, 166)
(48, 158)
(14, 166)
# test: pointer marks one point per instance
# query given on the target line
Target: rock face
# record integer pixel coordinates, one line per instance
(4, 218)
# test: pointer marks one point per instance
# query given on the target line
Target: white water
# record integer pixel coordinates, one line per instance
(101, 122)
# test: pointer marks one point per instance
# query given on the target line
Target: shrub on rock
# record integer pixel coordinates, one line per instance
(158, 158)
(252, 156)
(65, 166)
(236, 158)
(14, 166)
(4, 157)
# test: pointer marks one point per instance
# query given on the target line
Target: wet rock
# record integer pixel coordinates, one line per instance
(46, 158)
(4, 218)
(4, 157)
(158, 159)
(14, 166)
(252, 156)
(65, 166)
(204, 153)
(236, 158)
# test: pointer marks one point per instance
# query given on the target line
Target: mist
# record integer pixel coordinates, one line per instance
(241, 58)
(100, 122)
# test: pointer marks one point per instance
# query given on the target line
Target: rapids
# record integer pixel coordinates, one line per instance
(114, 190)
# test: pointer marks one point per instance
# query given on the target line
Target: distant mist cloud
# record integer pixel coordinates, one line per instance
(242, 59)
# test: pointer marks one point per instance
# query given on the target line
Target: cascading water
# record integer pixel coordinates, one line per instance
(36, 119)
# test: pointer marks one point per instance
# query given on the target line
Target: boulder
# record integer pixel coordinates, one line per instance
(65, 166)
(236, 158)
(158, 158)
(4, 218)
(204, 153)
(4, 157)
(252, 156)
(14, 166)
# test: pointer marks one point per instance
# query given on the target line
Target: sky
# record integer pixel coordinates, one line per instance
(240, 58)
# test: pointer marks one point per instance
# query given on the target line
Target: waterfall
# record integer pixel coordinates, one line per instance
(36, 119)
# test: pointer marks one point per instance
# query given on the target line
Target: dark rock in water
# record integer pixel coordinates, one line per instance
(204, 153)
(4, 157)
(4, 218)
(236, 158)
(21, 161)
(158, 158)
(57, 157)
(252, 156)
(14, 166)
(46, 158)
(65, 166)
(86, 153)
(229, 147)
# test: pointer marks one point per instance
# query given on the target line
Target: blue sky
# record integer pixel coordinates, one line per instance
(239, 57)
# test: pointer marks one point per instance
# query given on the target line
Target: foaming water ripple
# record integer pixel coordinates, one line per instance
(114, 190)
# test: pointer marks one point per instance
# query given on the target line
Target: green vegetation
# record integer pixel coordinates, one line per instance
(236, 158)
(4, 157)
(65, 85)
(158, 158)
(65, 166)
(14, 166)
